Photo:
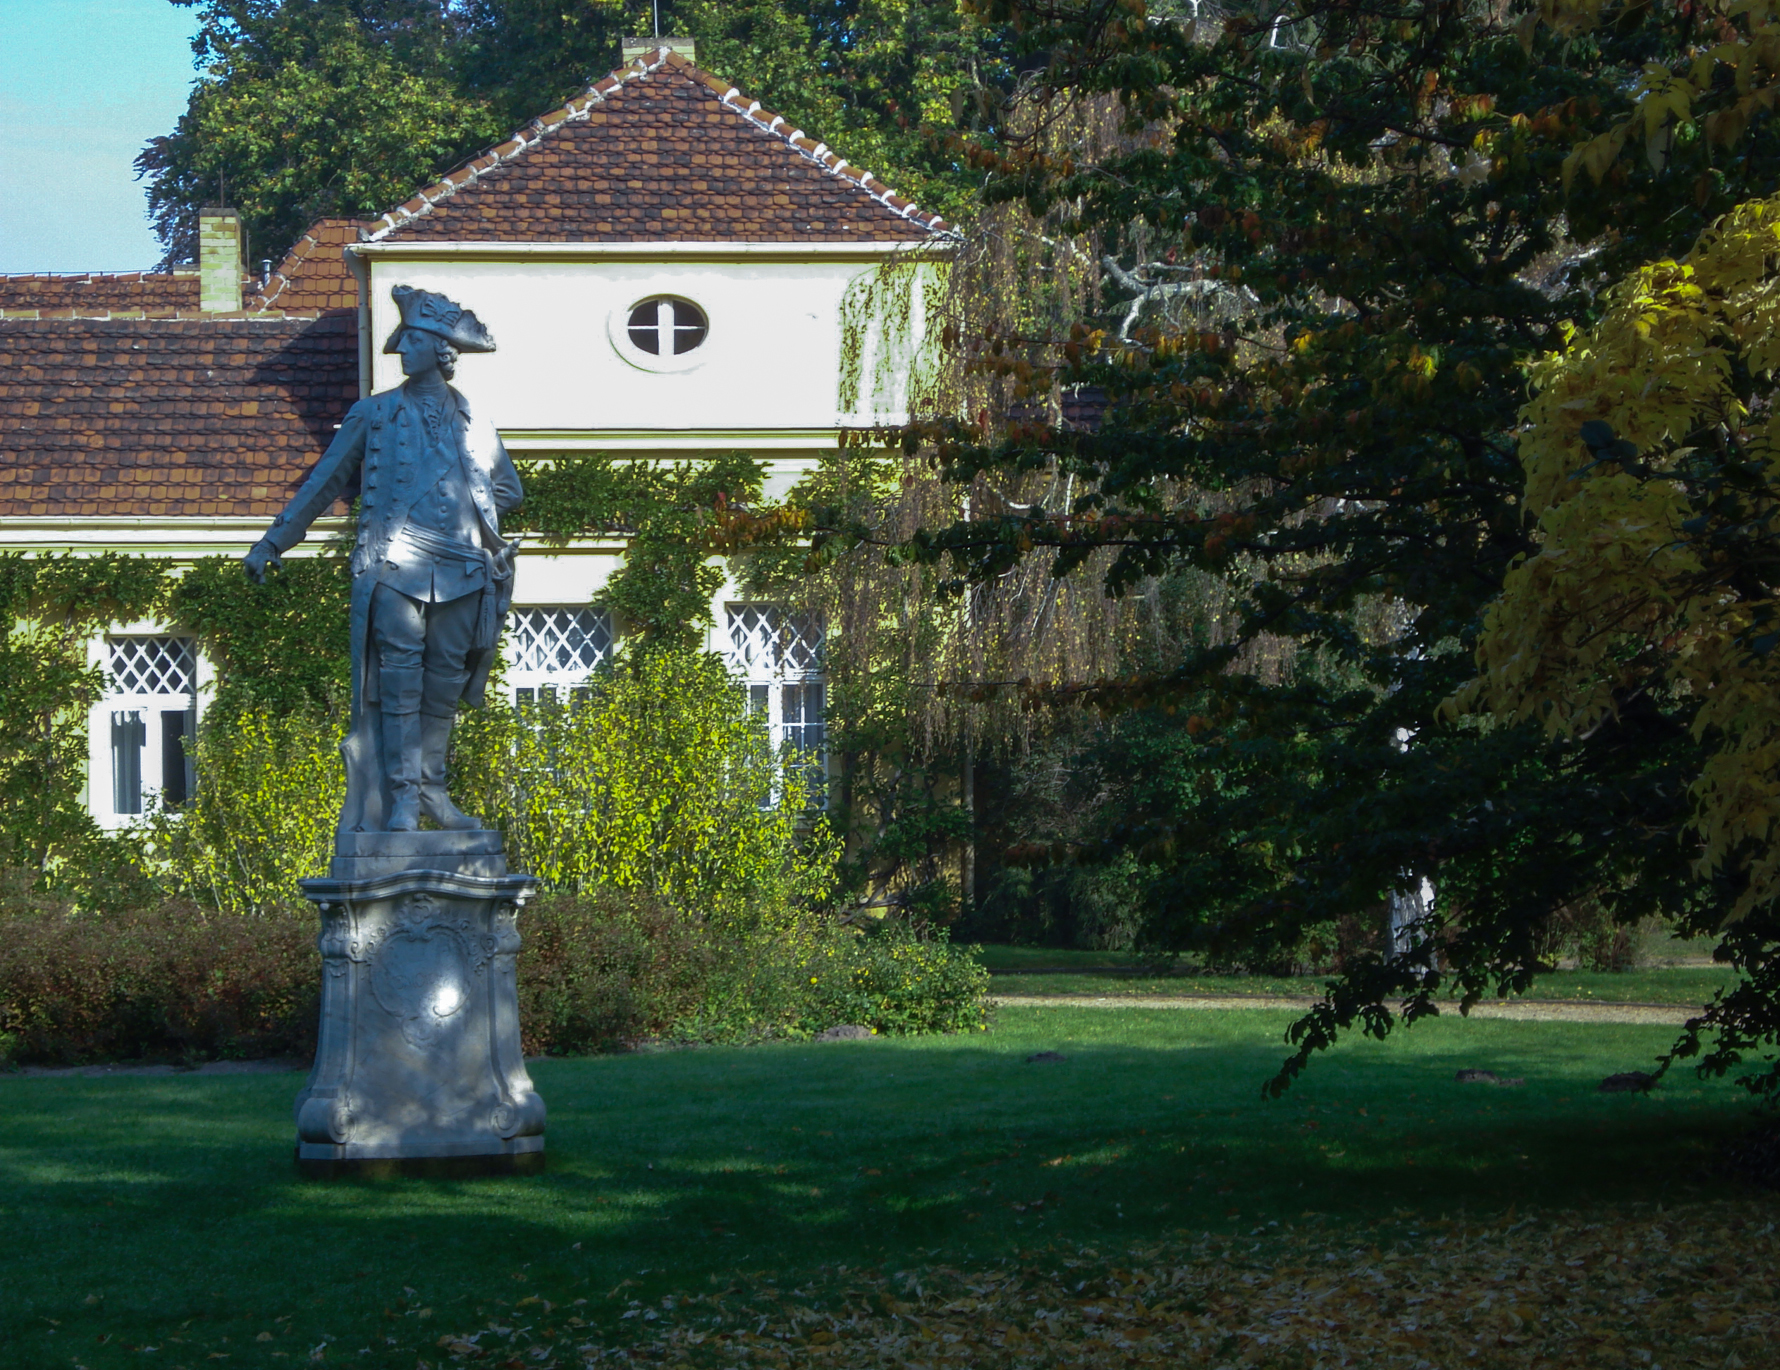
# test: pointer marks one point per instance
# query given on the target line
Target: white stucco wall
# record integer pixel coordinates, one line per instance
(565, 373)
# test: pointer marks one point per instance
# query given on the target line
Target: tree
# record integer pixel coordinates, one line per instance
(1651, 460)
(306, 108)
(345, 107)
(1352, 231)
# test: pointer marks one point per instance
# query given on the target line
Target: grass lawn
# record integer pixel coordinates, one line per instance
(138, 1212)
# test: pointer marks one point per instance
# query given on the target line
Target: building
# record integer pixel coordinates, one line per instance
(666, 268)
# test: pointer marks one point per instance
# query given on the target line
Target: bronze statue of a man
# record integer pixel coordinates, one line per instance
(432, 577)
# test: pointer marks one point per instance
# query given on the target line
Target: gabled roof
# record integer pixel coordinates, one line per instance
(658, 150)
(119, 397)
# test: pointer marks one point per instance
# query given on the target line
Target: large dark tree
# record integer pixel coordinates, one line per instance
(1334, 236)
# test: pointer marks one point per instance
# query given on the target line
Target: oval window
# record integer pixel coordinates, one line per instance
(665, 327)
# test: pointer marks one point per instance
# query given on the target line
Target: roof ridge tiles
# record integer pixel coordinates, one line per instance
(578, 108)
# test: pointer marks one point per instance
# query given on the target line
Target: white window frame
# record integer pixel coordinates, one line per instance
(661, 363)
(119, 701)
(778, 656)
(527, 682)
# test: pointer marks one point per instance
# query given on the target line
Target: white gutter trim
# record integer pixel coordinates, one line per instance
(361, 272)
(773, 445)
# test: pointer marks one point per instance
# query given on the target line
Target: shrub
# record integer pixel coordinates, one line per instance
(598, 971)
(655, 780)
(606, 969)
(161, 983)
(658, 780)
(1588, 933)
(614, 967)
(895, 982)
(270, 786)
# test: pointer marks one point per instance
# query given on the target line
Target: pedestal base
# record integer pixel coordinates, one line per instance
(367, 855)
(422, 1167)
(419, 1060)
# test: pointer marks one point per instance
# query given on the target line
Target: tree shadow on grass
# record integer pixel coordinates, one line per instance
(175, 1200)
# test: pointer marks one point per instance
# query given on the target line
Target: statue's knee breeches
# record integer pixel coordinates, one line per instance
(450, 638)
(422, 650)
(398, 629)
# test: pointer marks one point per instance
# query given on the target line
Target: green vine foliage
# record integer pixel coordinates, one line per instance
(282, 646)
(270, 787)
(661, 595)
(49, 609)
(269, 779)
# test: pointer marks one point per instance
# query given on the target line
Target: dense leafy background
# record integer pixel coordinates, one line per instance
(306, 108)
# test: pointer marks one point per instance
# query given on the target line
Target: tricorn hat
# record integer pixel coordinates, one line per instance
(433, 313)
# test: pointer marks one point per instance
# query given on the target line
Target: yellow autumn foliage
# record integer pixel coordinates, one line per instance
(1695, 98)
(1656, 553)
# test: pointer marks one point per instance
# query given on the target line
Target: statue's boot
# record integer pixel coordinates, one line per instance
(401, 769)
(435, 803)
(400, 689)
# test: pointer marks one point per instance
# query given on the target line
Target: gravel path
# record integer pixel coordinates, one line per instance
(1526, 1010)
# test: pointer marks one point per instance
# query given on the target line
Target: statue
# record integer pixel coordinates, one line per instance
(432, 578)
(418, 1065)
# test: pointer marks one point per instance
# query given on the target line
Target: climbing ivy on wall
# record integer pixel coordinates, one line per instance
(49, 609)
(284, 645)
(282, 653)
(670, 518)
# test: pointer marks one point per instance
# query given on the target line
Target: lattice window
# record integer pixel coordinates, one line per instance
(779, 655)
(767, 642)
(149, 716)
(552, 649)
(151, 665)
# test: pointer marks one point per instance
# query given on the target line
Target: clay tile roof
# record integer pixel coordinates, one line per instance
(660, 149)
(99, 294)
(218, 416)
(314, 276)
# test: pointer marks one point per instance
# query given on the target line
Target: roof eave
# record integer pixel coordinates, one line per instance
(865, 250)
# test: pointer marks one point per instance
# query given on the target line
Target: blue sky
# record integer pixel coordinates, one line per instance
(83, 85)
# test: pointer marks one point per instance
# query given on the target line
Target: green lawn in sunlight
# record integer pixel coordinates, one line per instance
(164, 1212)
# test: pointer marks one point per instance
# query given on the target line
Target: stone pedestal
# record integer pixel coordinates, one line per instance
(419, 1066)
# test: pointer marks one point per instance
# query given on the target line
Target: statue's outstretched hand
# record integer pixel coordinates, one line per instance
(264, 557)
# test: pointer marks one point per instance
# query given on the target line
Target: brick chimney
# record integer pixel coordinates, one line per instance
(633, 48)
(219, 261)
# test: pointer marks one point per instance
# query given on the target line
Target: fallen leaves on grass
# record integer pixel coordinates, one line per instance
(1687, 1286)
